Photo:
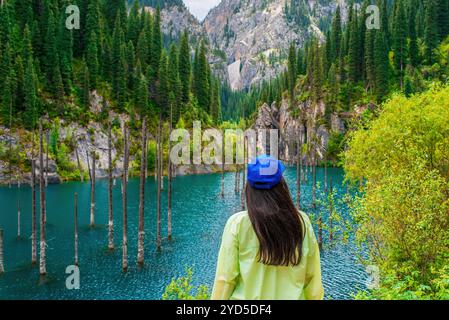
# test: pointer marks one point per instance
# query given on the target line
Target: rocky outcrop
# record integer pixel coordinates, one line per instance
(299, 123)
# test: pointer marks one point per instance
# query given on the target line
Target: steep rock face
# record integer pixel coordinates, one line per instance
(306, 127)
(175, 19)
(255, 35)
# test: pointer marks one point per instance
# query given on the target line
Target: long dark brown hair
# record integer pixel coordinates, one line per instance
(278, 225)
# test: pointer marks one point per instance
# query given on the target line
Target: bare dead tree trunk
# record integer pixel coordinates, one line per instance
(325, 176)
(80, 169)
(245, 154)
(159, 185)
(156, 163)
(161, 161)
(331, 210)
(76, 230)
(92, 191)
(298, 174)
(170, 177)
(125, 200)
(43, 219)
(88, 165)
(10, 144)
(33, 211)
(223, 166)
(314, 182)
(18, 220)
(320, 232)
(46, 157)
(236, 189)
(2, 261)
(141, 235)
(111, 213)
(18, 160)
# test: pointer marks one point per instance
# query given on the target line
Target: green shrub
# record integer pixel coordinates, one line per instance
(182, 289)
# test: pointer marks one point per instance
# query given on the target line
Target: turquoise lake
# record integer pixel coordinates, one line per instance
(199, 215)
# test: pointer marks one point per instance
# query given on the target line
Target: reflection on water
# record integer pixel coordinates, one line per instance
(199, 215)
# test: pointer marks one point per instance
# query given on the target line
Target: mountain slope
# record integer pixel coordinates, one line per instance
(255, 34)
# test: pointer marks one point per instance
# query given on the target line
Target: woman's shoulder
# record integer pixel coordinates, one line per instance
(305, 217)
(238, 218)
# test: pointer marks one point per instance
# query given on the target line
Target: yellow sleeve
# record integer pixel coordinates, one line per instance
(313, 288)
(228, 264)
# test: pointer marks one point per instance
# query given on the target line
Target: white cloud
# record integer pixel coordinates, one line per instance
(200, 8)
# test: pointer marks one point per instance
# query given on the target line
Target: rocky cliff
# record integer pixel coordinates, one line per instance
(255, 35)
(249, 39)
(302, 123)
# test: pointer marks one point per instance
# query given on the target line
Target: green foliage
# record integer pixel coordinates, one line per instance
(182, 289)
(403, 214)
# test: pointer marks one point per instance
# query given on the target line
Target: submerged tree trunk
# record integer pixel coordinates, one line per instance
(92, 191)
(2, 262)
(125, 200)
(141, 235)
(10, 145)
(47, 139)
(18, 220)
(320, 232)
(325, 176)
(110, 182)
(314, 182)
(159, 184)
(80, 169)
(298, 175)
(18, 159)
(43, 219)
(245, 154)
(331, 210)
(33, 212)
(76, 230)
(170, 177)
(223, 166)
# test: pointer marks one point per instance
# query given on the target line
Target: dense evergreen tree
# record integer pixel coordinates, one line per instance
(336, 34)
(185, 67)
(292, 64)
(400, 40)
(431, 31)
(202, 77)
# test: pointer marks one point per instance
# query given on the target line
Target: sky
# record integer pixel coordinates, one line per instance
(200, 8)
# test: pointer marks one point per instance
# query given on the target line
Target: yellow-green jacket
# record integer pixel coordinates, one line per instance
(240, 276)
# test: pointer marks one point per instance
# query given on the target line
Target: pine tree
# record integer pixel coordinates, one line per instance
(30, 99)
(292, 72)
(85, 96)
(336, 34)
(400, 40)
(353, 51)
(142, 96)
(413, 49)
(174, 83)
(185, 67)
(112, 8)
(163, 86)
(431, 31)
(443, 18)
(369, 59)
(385, 28)
(134, 26)
(201, 78)
(92, 60)
(120, 93)
(156, 44)
(382, 65)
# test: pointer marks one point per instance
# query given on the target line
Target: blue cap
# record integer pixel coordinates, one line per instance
(265, 173)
